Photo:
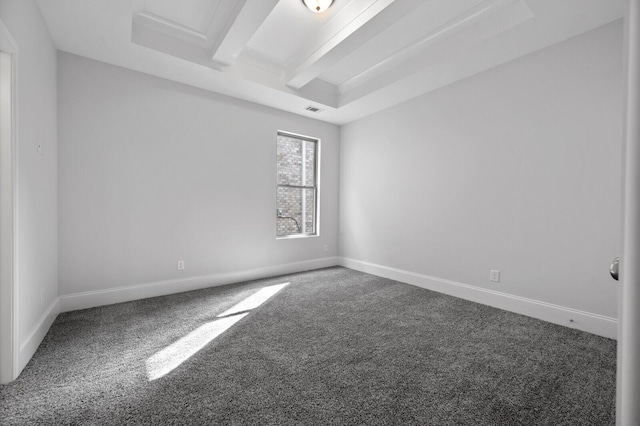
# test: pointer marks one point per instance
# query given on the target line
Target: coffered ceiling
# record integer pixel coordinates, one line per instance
(358, 57)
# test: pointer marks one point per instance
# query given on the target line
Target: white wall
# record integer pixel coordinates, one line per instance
(152, 172)
(36, 196)
(516, 169)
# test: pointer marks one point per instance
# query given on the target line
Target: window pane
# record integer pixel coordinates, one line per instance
(309, 174)
(293, 205)
(296, 161)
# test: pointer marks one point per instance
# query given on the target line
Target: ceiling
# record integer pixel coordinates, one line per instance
(358, 57)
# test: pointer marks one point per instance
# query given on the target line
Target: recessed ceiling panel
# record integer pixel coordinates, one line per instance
(193, 14)
(288, 27)
(396, 36)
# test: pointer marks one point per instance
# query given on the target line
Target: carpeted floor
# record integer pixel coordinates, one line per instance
(335, 346)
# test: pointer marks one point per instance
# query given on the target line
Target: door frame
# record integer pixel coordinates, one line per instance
(628, 374)
(9, 344)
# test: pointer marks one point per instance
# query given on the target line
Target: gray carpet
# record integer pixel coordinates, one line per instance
(333, 347)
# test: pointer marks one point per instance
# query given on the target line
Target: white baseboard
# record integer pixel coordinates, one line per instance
(30, 344)
(91, 299)
(586, 321)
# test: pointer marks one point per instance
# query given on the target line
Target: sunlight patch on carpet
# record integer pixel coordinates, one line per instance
(172, 356)
(169, 358)
(254, 300)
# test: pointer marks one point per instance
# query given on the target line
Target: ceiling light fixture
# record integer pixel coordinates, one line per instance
(317, 6)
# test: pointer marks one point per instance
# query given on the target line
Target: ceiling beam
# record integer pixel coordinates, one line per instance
(359, 20)
(235, 36)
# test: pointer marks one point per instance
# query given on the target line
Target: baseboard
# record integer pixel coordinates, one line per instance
(30, 344)
(91, 299)
(586, 321)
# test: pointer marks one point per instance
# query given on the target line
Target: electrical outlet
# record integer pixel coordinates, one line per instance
(180, 265)
(495, 276)
(325, 248)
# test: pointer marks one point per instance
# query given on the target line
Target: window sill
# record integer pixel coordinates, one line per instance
(296, 236)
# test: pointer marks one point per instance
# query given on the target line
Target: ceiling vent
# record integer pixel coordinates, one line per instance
(313, 109)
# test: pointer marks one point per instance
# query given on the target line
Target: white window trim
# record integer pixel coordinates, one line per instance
(318, 143)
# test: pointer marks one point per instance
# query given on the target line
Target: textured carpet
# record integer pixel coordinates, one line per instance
(335, 346)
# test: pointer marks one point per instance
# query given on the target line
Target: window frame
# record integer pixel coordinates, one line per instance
(315, 187)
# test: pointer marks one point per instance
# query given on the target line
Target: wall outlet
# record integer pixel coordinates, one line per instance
(325, 248)
(180, 265)
(495, 276)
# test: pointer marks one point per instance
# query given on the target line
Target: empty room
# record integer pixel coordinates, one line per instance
(317, 212)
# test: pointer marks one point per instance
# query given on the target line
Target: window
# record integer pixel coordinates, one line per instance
(297, 186)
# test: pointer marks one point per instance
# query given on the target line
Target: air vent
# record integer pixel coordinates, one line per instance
(313, 109)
